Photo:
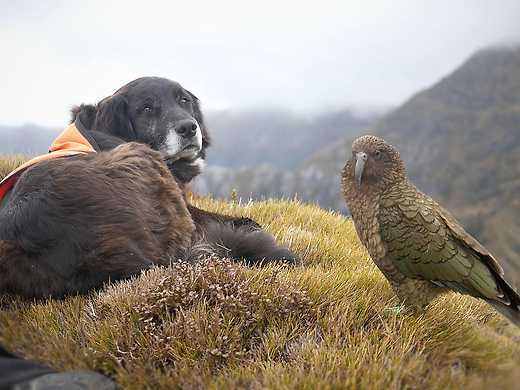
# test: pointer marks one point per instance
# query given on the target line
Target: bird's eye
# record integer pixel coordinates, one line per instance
(184, 100)
(377, 154)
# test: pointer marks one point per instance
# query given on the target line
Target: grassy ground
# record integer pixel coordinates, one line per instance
(222, 325)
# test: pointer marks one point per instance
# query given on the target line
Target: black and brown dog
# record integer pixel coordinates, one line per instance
(70, 224)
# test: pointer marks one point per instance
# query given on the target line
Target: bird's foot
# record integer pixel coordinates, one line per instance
(397, 310)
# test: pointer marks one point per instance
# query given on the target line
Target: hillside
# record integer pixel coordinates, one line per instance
(464, 146)
(276, 137)
(260, 153)
(460, 140)
(316, 181)
(27, 139)
(326, 324)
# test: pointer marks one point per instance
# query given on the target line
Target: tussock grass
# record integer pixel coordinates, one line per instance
(8, 164)
(217, 324)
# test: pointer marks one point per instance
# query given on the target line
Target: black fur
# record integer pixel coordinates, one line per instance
(72, 224)
(253, 246)
(147, 110)
(119, 118)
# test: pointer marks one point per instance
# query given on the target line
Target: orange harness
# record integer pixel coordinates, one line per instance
(69, 143)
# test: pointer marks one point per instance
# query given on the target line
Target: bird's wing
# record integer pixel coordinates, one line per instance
(423, 245)
(466, 238)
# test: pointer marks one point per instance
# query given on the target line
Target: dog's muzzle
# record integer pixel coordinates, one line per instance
(184, 140)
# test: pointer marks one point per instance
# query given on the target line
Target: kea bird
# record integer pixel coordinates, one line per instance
(419, 247)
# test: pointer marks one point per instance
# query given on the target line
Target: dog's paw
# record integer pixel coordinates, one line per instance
(246, 223)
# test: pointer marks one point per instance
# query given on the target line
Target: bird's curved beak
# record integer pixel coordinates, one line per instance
(361, 159)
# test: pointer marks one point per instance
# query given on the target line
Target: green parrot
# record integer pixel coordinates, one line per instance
(420, 248)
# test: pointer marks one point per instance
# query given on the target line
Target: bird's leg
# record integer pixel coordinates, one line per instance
(406, 307)
(414, 296)
(399, 309)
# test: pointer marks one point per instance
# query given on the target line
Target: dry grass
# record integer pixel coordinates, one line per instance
(223, 325)
(9, 164)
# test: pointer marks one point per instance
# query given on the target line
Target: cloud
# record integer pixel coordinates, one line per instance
(303, 55)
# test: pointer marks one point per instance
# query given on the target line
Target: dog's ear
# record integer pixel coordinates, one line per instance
(112, 117)
(86, 113)
(197, 112)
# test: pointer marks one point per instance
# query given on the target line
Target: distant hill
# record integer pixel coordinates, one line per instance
(28, 139)
(316, 181)
(276, 137)
(460, 140)
(265, 154)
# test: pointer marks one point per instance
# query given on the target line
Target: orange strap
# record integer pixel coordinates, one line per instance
(69, 143)
(71, 140)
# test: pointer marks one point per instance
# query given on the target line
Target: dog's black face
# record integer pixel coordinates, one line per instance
(155, 111)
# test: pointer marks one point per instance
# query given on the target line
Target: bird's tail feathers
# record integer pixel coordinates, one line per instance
(509, 302)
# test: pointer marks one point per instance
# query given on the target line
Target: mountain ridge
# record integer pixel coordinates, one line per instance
(459, 138)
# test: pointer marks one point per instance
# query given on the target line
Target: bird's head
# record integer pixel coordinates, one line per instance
(374, 164)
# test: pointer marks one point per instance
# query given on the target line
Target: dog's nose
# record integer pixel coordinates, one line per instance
(186, 128)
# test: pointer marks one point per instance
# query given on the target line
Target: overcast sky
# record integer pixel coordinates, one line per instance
(307, 56)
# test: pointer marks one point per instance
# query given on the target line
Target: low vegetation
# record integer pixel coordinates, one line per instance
(216, 324)
(9, 164)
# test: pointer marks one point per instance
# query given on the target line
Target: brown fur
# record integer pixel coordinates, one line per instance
(72, 224)
(119, 118)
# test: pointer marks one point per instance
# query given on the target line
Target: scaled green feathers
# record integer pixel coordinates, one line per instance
(420, 248)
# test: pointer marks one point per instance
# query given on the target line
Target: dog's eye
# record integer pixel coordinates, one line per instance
(184, 100)
(148, 109)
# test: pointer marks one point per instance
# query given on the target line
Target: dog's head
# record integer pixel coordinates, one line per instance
(158, 112)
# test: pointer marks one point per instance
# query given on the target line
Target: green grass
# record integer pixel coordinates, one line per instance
(217, 324)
